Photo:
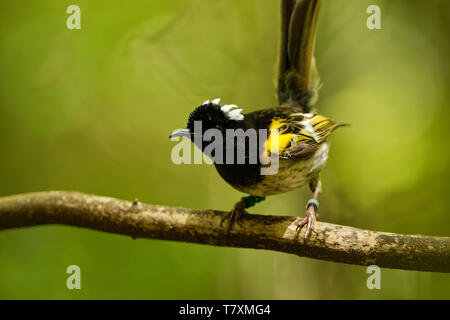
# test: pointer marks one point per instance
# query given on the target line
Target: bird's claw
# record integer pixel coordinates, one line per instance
(308, 221)
(235, 215)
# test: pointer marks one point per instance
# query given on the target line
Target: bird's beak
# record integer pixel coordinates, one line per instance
(180, 133)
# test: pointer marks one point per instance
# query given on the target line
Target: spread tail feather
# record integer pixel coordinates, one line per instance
(298, 81)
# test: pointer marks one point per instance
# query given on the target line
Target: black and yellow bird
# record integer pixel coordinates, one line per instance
(300, 135)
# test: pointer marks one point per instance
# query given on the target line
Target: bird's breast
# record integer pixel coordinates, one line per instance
(291, 174)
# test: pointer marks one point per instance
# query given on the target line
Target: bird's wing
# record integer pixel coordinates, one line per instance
(299, 134)
(298, 81)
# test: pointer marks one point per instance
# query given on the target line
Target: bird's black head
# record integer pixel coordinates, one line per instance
(211, 116)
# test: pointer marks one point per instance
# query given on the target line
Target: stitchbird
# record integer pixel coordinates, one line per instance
(300, 135)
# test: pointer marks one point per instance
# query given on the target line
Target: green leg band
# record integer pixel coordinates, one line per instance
(250, 201)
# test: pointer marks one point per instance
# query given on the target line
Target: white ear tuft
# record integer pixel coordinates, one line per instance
(232, 114)
(206, 102)
(216, 101)
(227, 107)
(235, 115)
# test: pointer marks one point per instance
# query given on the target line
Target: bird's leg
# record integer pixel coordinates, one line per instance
(235, 215)
(311, 208)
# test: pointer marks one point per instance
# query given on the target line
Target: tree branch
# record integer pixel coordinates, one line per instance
(327, 242)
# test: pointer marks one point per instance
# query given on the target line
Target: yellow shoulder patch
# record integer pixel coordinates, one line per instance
(298, 130)
(279, 125)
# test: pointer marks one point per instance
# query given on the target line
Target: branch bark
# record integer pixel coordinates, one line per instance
(328, 241)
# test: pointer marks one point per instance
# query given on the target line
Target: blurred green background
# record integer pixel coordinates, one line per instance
(91, 110)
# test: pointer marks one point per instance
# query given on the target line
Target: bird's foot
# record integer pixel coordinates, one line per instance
(311, 217)
(235, 215)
